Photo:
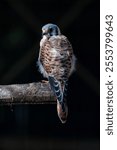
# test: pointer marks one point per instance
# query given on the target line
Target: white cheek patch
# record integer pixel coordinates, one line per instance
(44, 37)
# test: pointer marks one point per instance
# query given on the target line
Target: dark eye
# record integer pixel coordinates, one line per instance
(50, 29)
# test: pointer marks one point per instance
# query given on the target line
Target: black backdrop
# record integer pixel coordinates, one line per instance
(20, 33)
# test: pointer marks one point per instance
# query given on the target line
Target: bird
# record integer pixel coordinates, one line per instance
(56, 62)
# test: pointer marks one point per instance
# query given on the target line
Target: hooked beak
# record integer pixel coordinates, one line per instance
(44, 32)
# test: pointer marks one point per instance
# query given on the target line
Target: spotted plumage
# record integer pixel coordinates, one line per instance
(56, 62)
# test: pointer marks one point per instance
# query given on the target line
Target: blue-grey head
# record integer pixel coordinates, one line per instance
(50, 30)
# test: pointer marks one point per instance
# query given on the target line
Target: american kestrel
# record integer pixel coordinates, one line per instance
(56, 62)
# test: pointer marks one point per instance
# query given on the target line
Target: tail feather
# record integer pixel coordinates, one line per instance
(55, 86)
(60, 93)
(65, 90)
(62, 114)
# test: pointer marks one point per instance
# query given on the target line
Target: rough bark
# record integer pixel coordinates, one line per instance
(30, 93)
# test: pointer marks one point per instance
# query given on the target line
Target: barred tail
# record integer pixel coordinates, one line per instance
(62, 108)
(56, 88)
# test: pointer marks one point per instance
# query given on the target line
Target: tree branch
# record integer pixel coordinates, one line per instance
(30, 93)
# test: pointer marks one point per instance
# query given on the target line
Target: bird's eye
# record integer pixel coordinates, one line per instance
(50, 29)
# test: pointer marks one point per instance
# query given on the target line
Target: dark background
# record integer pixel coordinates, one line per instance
(35, 127)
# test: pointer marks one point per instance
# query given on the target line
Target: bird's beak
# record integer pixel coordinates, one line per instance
(44, 32)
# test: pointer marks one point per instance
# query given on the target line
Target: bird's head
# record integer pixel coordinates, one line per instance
(50, 30)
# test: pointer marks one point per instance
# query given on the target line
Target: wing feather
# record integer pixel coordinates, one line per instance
(56, 63)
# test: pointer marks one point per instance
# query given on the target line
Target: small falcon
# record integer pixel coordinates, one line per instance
(56, 62)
